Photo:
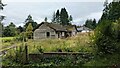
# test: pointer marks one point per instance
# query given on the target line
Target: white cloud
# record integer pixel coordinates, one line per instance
(80, 11)
(81, 21)
(95, 15)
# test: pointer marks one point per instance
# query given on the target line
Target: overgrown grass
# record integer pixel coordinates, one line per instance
(79, 43)
(7, 42)
(6, 38)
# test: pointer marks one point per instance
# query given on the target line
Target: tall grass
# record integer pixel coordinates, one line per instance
(74, 44)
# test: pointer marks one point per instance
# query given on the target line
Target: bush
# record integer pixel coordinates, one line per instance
(40, 49)
(104, 38)
(21, 37)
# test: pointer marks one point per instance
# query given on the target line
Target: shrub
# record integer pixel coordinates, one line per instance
(21, 37)
(104, 38)
(40, 49)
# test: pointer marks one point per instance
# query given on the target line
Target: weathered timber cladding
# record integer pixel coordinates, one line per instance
(41, 32)
(52, 30)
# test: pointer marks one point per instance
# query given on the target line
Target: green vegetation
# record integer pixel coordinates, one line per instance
(29, 32)
(28, 21)
(103, 44)
(62, 17)
(75, 44)
(7, 42)
(80, 43)
(111, 12)
(90, 23)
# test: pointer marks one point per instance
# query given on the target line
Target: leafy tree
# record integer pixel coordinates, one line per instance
(1, 5)
(107, 37)
(30, 20)
(1, 18)
(10, 30)
(1, 8)
(7, 32)
(20, 29)
(104, 38)
(64, 17)
(12, 25)
(29, 31)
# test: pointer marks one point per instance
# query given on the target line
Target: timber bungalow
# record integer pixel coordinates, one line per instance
(53, 30)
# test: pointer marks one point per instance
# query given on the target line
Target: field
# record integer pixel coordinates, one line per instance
(79, 43)
(7, 42)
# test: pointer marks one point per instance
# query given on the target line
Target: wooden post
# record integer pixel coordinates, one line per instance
(26, 54)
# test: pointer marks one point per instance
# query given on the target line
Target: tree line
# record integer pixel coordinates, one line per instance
(91, 23)
(62, 17)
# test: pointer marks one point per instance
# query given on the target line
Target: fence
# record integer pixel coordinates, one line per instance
(61, 54)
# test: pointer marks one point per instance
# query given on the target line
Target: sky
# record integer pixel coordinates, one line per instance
(17, 11)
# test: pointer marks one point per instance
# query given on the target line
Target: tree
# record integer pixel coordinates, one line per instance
(2, 5)
(1, 29)
(10, 30)
(20, 29)
(57, 16)
(30, 20)
(45, 19)
(111, 12)
(107, 33)
(94, 23)
(70, 18)
(29, 32)
(64, 17)
(12, 25)
(53, 17)
(104, 38)
(107, 37)
(90, 23)
(1, 8)
(1, 18)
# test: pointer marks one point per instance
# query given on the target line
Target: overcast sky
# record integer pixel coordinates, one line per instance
(17, 11)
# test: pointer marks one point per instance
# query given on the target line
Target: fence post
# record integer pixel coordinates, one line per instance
(26, 54)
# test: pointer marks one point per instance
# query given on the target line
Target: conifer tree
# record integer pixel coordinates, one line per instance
(30, 20)
(64, 17)
(29, 31)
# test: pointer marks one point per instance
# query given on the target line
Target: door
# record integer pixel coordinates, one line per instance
(48, 34)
